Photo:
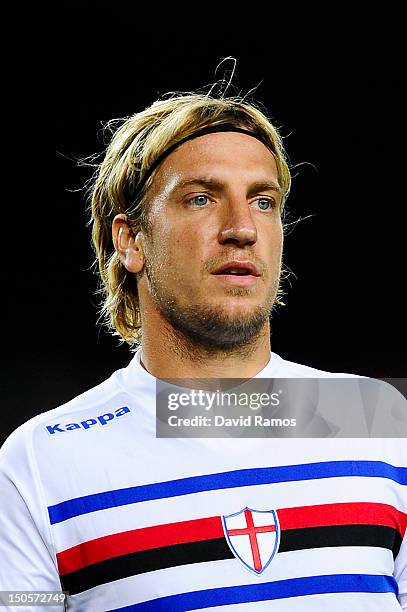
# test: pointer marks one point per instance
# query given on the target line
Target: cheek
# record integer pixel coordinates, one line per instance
(270, 241)
(173, 249)
(280, 241)
(186, 242)
(278, 235)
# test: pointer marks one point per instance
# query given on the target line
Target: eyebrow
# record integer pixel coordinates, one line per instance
(216, 185)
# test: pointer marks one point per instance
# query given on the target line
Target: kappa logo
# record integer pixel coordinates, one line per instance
(102, 419)
(253, 537)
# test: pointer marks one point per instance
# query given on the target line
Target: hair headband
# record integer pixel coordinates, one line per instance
(222, 127)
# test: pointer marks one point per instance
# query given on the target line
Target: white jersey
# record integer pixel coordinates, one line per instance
(92, 503)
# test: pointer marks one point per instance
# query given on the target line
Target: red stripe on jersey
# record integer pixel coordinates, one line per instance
(157, 536)
(362, 513)
(146, 538)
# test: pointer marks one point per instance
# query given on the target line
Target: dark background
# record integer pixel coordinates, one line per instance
(332, 79)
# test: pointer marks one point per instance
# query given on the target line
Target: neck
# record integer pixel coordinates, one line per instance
(166, 353)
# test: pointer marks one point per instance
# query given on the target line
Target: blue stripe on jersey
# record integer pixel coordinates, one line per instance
(280, 589)
(224, 480)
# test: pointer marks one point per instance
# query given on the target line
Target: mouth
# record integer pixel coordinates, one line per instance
(238, 273)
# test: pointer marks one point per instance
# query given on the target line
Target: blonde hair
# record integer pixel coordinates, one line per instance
(135, 145)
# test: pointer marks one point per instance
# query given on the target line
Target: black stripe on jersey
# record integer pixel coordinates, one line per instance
(214, 550)
(145, 561)
(341, 535)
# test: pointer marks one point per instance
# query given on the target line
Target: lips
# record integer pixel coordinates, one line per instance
(237, 268)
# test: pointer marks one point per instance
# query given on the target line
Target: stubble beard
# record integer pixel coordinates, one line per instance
(201, 330)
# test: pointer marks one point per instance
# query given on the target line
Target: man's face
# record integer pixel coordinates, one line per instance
(213, 248)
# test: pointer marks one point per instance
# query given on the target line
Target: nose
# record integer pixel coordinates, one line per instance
(238, 227)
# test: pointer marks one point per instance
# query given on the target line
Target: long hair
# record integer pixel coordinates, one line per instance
(135, 145)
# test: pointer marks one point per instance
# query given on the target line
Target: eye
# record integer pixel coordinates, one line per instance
(199, 200)
(265, 203)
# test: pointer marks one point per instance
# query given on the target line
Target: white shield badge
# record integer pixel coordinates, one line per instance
(253, 537)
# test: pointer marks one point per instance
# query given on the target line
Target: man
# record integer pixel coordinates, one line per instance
(187, 226)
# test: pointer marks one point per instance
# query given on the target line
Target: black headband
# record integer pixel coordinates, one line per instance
(222, 127)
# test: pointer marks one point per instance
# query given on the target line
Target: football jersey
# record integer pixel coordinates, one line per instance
(93, 503)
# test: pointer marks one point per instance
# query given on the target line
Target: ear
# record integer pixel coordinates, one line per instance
(127, 244)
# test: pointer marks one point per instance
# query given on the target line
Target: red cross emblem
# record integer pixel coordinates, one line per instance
(253, 537)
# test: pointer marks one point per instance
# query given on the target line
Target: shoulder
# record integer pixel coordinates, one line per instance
(291, 369)
(18, 451)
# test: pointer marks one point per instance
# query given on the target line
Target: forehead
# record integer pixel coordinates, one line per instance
(222, 155)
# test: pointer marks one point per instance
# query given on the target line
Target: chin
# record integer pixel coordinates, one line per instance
(238, 307)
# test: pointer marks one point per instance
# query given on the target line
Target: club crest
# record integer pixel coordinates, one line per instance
(253, 537)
